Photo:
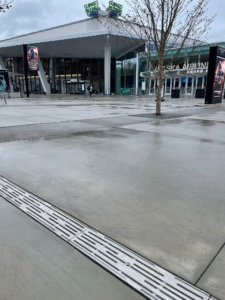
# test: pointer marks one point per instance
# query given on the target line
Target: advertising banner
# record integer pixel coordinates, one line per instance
(32, 58)
(219, 78)
(6, 81)
(216, 75)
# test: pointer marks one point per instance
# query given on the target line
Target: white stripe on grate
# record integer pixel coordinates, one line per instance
(147, 278)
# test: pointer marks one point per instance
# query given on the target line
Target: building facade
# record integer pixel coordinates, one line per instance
(187, 72)
(74, 55)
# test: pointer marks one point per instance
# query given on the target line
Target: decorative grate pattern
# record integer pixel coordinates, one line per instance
(150, 280)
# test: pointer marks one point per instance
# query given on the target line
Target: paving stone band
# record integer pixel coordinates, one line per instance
(148, 279)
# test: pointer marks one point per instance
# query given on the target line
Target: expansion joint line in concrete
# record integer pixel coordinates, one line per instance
(206, 269)
(150, 280)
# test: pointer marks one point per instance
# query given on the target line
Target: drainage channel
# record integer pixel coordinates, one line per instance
(148, 279)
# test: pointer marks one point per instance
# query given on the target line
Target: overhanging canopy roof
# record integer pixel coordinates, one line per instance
(85, 38)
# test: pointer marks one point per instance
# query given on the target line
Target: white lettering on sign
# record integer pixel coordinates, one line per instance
(188, 67)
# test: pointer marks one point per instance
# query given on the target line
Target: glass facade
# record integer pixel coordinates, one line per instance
(63, 74)
(126, 70)
(72, 75)
(71, 71)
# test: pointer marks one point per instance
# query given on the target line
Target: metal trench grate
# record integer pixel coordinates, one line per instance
(150, 280)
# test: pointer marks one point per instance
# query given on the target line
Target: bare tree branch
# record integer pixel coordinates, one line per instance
(5, 5)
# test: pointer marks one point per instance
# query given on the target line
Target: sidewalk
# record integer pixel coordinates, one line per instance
(154, 185)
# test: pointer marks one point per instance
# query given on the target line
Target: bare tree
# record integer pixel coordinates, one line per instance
(5, 5)
(165, 24)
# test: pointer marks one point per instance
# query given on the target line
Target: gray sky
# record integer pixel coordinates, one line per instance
(28, 15)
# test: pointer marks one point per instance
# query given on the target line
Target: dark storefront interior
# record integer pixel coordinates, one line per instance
(65, 75)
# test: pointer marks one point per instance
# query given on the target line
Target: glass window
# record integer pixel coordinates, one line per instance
(95, 80)
(88, 71)
(199, 82)
(57, 73)
(62, 69)
(177, 83)
(80, 68)
(113, 70)
(118, 76)
(87, 61)
(101, 67)
(74, 68)
(94, 64)
(67, 62)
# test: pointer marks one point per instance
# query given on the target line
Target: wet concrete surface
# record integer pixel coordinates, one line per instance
(207, 130)
(214, 277)
(15, 133)
(155, 186)
(35, 264)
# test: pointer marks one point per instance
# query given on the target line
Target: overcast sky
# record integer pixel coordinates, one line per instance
(28, 15)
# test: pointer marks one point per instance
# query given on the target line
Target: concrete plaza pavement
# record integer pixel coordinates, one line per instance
(154, 184)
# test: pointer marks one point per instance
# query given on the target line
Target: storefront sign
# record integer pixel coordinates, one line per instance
(91, 7)
(32, 58)
(115, 7)
(216, 75)
(186, 67)
(6, 81)
(126, 91)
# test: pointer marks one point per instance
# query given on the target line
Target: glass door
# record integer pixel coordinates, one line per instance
(152, 86)
(200, 82)
(168, 86)
(190, 85)
(177, 82)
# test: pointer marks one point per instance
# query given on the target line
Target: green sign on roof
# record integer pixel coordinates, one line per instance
(91, 7)
(115, 7)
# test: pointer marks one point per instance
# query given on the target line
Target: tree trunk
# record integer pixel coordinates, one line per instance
(158, 103)
(160, 84)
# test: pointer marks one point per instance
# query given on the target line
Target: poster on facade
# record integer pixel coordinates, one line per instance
(216, 75)
(219, 78)
(4, 83)
(32, 58)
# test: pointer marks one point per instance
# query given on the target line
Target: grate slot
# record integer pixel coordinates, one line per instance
(178, 295)
(149, 279)
(180, 292)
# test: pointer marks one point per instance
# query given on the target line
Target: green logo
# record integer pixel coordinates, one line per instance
(91, 7)
(115, 7)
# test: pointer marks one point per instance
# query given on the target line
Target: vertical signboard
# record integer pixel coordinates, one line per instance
(32, 58)
(6, 79)
(216, 75)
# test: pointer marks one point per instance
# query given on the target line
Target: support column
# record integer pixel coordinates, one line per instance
(137, 73)
(107, 66)
(44, 81)
(51, 70)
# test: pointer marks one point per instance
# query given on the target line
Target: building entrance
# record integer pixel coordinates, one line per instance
(177, 83)
(189, 85)
(186, 83)
(200, 82)
(168, 85)
(152, 86)
(76, 88)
